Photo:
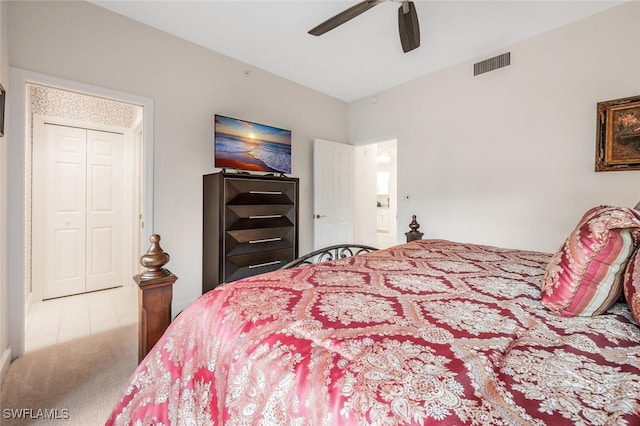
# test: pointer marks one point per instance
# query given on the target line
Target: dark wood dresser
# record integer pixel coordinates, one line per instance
(250, 225)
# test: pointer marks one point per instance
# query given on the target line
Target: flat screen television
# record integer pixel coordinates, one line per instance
(247, 146)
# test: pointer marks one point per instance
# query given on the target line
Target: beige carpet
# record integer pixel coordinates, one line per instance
(85, 377)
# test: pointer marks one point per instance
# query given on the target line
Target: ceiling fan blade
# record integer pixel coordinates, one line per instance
(343, 17)
(408, 26)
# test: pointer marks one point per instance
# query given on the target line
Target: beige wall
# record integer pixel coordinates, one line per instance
(4, 305)
(507, 158)
(188, 84)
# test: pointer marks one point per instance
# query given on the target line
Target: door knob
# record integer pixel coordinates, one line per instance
(318, 216)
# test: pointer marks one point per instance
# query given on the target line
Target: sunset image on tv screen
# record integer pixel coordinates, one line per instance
(245, 145)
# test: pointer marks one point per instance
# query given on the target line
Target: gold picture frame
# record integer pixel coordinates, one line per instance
(618, 138)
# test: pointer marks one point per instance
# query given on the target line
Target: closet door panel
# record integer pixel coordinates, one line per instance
(63, 188)
(104, 210)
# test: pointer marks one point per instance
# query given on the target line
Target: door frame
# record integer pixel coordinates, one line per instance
(130, 206)
(17, 190)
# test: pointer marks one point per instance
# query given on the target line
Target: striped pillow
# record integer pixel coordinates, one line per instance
(631, 285)
(584, 277)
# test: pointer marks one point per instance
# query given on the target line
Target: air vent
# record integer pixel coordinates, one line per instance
(492, 64)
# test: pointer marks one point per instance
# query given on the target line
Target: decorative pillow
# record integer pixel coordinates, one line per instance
(631, 285)
(584, 277)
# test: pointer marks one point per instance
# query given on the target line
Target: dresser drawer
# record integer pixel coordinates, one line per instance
(258, 216)
(252, 191)
(246, 241)
(246, 265)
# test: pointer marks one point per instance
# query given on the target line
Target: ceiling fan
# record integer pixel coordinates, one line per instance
(407, 21)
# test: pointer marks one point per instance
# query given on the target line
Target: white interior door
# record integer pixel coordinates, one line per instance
(79, 203)
(333, 182)
(63, 182)
(104, 210)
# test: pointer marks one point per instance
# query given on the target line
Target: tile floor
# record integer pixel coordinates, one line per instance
(59, 320)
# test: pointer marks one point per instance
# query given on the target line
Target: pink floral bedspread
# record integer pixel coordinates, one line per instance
(430, 332)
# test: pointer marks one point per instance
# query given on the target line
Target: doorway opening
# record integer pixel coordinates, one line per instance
(84, 213)
(376, 194)
(19, 238)
(84, 221)
(38, 101)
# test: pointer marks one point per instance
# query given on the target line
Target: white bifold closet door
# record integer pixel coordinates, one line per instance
(82, 210)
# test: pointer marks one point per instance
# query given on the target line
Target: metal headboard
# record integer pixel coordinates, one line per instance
(338, 251)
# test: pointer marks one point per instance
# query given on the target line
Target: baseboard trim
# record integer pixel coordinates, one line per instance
(4, 363)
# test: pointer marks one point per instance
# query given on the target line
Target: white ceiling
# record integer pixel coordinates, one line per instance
(363, 56)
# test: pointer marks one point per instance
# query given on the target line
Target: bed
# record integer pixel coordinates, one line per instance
(427, 332)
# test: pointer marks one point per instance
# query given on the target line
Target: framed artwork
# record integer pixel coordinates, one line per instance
(2, 101)
(618, 138)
